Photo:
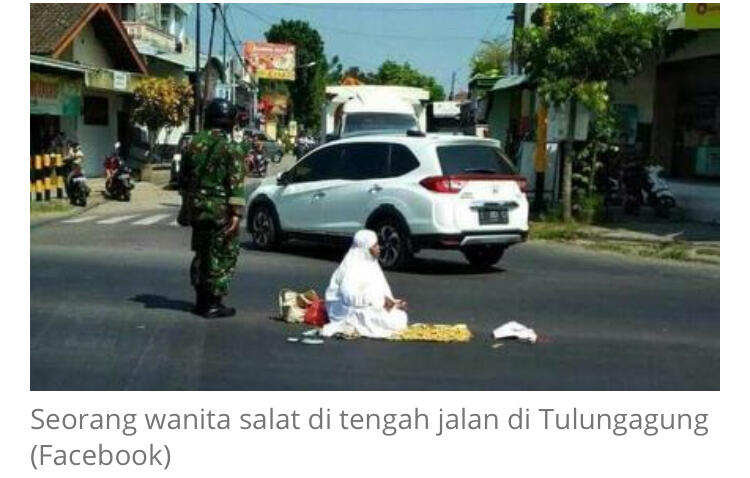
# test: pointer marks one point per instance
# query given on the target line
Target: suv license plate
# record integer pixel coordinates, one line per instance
(493, 216)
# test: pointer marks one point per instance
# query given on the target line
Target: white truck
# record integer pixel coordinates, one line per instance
(373, 109)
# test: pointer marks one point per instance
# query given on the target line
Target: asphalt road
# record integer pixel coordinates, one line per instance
(110, 311)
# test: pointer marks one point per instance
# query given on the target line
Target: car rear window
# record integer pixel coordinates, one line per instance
(473, 159)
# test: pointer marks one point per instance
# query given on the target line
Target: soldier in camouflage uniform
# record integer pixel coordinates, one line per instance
(212, 180)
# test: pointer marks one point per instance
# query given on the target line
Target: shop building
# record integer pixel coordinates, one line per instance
(668, 113)
(83, 68)
(158, 31)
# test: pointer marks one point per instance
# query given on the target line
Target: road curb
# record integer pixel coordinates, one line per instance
(74, 213)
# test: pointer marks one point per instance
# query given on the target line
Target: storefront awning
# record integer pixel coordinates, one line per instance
(48, 62)
(99, 78)
(510, 82)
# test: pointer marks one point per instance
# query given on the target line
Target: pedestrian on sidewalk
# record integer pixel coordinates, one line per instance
(212, 182)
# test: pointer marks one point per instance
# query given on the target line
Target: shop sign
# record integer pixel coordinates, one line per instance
(109, 80)
(120, 80)
(53, 95)
(701, 16)
(275, 103)
(271, 61)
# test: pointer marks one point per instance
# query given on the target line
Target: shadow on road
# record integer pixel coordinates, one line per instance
(151, 301)
(420, 265)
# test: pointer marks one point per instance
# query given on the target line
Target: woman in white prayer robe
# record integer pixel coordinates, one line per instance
(359, 301)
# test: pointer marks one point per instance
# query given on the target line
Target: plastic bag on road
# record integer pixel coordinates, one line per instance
(514, 330)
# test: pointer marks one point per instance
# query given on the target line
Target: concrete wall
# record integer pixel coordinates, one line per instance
(638, 91)
(88, 50)
(699, 202)
(706, 44)
(498, 117)
(98, 141)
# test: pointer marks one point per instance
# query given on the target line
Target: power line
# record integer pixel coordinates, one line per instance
(234, 46)
(492, 24)
(363, 34)
(432, 8)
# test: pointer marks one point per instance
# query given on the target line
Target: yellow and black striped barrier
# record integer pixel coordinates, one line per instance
(59, 174)
(47, 173)
(38, 177)
(47, 178)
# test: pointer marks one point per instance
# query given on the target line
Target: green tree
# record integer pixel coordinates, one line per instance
(490, 58)
(308, 90)
(392, 73)
(334, 71)
(575, 49)
(159, 103)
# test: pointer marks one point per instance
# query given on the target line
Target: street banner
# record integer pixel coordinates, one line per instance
(701, 16)
(54, 95)
(271, 61)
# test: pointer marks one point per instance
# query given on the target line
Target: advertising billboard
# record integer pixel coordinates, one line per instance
(270, 61)
(700, 16)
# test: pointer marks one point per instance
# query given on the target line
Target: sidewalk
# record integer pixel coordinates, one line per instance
(644, 236)
(145, 196)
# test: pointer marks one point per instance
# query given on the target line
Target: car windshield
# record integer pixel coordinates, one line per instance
(473, 159)
(358, 123)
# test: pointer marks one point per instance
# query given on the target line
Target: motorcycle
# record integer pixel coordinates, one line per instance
(645, 186)
(119, 183)
(304, 145)
(259, 164)
(76, 187)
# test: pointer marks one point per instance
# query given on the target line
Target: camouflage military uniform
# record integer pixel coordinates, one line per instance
(212, 179)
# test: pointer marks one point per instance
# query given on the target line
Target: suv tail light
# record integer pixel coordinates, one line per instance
(443, 184)
(523, 184)
(455, 183)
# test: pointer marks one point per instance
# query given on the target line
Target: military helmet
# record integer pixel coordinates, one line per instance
(221, 114)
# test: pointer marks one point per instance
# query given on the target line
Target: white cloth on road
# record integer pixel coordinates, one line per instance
(514, 330)
(355, 298)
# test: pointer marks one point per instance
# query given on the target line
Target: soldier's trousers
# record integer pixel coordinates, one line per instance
(215, 258)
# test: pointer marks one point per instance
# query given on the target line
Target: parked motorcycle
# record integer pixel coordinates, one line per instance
(118, 184)
(645, 186)
(76, 187)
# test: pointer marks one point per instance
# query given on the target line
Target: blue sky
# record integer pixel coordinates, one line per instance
(436, 38)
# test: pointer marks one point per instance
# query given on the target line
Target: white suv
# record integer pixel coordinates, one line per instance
(415, 191)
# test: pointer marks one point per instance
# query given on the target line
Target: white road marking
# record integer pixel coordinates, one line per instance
(151, 220)
(76, 220)
(117, 219)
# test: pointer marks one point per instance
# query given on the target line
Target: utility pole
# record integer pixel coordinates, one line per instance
(567, 172)
(197, 109)
(453, 84)
(224, 51)
(540, 154)
(210, 50)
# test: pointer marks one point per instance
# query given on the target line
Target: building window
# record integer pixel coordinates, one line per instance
(128, 12)
(179, 25)
(166, 18)
(95, 111)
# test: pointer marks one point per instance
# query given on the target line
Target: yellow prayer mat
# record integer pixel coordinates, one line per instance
(434, 333)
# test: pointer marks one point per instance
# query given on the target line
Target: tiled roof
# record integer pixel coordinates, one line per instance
(50, 22)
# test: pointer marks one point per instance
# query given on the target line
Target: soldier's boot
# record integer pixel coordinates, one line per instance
(201, 300)
(216, 309)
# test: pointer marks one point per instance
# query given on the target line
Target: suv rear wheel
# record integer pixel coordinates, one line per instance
(485, 256)
(264, 228)
(394, 243)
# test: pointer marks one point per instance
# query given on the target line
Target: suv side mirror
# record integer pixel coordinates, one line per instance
(282, 179)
